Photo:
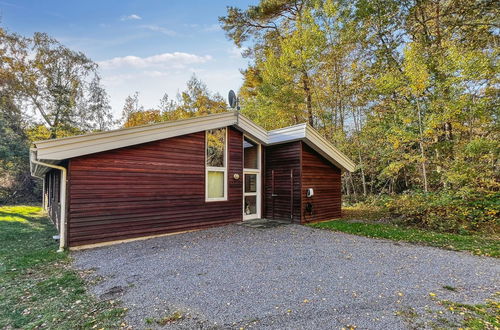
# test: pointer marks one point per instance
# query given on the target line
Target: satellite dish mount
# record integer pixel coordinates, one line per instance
(234, 101)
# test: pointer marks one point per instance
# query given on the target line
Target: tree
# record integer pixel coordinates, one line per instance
(197, 100)
(130, 107)
(15, 181)
(287, 46)
(96, 110)
(46, 91)
(52, 80)
(166, 104)
(407, 88)
(143, 117)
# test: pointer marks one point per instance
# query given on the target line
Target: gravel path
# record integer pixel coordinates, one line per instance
(286, 277)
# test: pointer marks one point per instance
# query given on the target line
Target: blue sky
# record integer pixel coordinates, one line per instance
(152, 47)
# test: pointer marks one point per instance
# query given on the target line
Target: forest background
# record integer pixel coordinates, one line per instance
(409, 90)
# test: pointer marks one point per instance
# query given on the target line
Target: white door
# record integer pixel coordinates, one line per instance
(251, 179)
(251, 195)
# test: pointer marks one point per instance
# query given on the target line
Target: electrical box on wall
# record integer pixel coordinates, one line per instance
(310, 192)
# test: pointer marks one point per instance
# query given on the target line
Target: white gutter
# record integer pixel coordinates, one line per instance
(63, 223)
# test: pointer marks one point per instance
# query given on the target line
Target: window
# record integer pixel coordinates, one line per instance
(216, 164)
(251, 179)
(250, 154)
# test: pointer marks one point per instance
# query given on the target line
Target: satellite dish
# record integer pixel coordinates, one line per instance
(233, 100)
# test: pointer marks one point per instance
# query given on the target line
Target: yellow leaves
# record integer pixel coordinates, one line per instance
(416, 68)
(432, 294)
(330, 7)
(389, 81)
(39, 132)
(392, 169)
(349, 327)
(143, 118)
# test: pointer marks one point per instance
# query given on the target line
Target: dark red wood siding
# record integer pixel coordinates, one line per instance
(284, 161)
(149, 189)
(324, 178)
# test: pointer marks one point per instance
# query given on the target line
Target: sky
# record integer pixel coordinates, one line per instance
(152, 47)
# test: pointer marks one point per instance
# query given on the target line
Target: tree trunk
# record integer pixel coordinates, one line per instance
(422, 150)
(363, 180)
(346, 185)
(307, 90)
(353, 187)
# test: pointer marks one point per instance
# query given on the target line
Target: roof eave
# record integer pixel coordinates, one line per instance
(54, 151)
(325, 147)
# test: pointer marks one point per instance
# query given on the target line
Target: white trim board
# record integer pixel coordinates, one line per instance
(54, 151)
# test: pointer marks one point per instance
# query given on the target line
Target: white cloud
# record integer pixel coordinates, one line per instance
(152, 84)
(156, 73)
(212, 28)
(131, 17)
(152, 76)
(172, 60)
(160, 29)
(235, 52)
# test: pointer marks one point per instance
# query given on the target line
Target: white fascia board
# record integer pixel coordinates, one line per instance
(134, 130)
(287, 134)
(92, 143)
(39, 170)
(324, 147)
(54, 151)
(252, 129)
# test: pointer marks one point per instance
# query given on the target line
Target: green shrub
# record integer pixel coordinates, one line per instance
(448, 211)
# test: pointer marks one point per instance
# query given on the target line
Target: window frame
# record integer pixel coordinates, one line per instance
(217, 169)
(258, 172)
(259, 148)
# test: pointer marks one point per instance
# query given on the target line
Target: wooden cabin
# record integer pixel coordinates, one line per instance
(184, 175)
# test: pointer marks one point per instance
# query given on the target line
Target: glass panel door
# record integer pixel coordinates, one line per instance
(251, 179)
(250, 206)
(251, 193)
(251, 183)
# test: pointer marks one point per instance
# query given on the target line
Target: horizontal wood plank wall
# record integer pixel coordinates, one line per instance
(149, 189)
(325, 179)
(282, 159)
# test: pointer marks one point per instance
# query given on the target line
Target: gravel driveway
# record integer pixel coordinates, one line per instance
(286, 277)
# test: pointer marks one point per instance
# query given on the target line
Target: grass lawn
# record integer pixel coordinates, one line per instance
(38, 288)
(487, 246)
(480, 316)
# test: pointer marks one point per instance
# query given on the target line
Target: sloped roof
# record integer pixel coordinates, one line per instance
(57, 150)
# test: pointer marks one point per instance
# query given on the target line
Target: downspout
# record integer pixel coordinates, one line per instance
(63, 223)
